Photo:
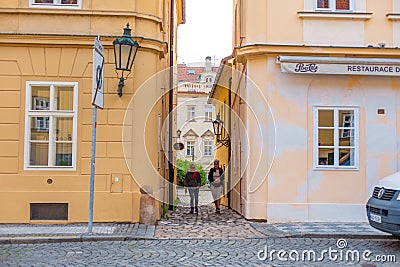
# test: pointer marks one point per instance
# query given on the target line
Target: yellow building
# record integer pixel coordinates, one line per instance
(309, 98)
(46, 66)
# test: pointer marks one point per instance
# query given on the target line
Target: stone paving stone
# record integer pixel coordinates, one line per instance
(71, 230)
(205, 224)
(318, 228)
(205, 197)
(181, 252)
(6, 230)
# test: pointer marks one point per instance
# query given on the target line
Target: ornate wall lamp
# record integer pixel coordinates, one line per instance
(125, 50)
(218, 127)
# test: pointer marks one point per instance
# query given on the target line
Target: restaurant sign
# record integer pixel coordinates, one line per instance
(346, 66)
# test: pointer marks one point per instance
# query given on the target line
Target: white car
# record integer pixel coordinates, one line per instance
(383, 207)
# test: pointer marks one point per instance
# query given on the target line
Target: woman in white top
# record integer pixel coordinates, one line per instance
(216, 178)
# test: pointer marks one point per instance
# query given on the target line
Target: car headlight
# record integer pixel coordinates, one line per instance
(398, 196)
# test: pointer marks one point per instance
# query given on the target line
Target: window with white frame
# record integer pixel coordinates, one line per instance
(50, 125)
(208, 148)
(208, 113)
(332, 5)
(191, 113)
(55, 3)
(190, 148)
(336, 137)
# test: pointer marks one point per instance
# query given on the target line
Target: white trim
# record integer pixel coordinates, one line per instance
(211, 142)
(52, 113)
(336, 147)
(192, 116)
(350, 15)
(393, 16)
(338, 60)
(187, 147)
(58, 5)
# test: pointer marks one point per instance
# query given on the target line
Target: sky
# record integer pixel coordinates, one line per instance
(207, 31)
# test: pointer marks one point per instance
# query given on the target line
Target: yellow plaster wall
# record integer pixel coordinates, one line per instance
(379, 29)
(283, 24)
(276, 22)
(69, 59)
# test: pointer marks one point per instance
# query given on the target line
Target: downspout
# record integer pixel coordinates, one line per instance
(170, 106)
(230, 142)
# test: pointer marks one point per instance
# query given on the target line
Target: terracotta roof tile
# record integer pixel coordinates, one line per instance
(184, 76)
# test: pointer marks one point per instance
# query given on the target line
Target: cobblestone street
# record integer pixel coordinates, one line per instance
(193, 252)
(203, 239)
(205, 224)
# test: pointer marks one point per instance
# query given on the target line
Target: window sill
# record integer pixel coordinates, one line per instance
(59, 6)
(334, 15)
(393, 16)
(319, 168)
(57, 168)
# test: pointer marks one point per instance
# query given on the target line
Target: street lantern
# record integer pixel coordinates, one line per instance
(125, 50)
(217, 124)
(178, 133)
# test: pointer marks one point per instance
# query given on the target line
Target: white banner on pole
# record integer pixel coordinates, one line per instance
(98, 74)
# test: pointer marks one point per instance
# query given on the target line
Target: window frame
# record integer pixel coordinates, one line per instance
(191, 118)
(207, 109)
(206, 145)
(332, 6)
(338, 129)
(187, 147)
(32, 4)
(30, 113)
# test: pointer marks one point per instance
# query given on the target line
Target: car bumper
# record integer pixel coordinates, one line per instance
(387, 211)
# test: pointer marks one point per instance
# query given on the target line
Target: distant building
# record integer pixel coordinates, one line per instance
(194, 115)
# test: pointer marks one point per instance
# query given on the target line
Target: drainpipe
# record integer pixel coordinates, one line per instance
(230, 143)
(170, 106)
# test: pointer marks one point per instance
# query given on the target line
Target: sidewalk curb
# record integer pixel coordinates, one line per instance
(272, 232)
(341, 236)
(62, 239)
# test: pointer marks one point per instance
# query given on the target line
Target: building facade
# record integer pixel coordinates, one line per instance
(314, 91)
(194, 114)
(46, 72)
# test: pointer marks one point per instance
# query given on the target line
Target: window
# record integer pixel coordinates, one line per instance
(208, 113)
(50, 125)
(49, 211)
(191, 113)
(55, 3)
(189, 148)
(191, 72)
(208, 147)
(334, 4)
(336, 138)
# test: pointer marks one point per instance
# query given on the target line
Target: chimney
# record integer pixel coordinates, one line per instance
(208, 64)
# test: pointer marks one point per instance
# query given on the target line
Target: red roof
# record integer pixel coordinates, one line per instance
(190, 74)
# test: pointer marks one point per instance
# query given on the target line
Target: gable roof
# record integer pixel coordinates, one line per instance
(207, 133)
(191, 132)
